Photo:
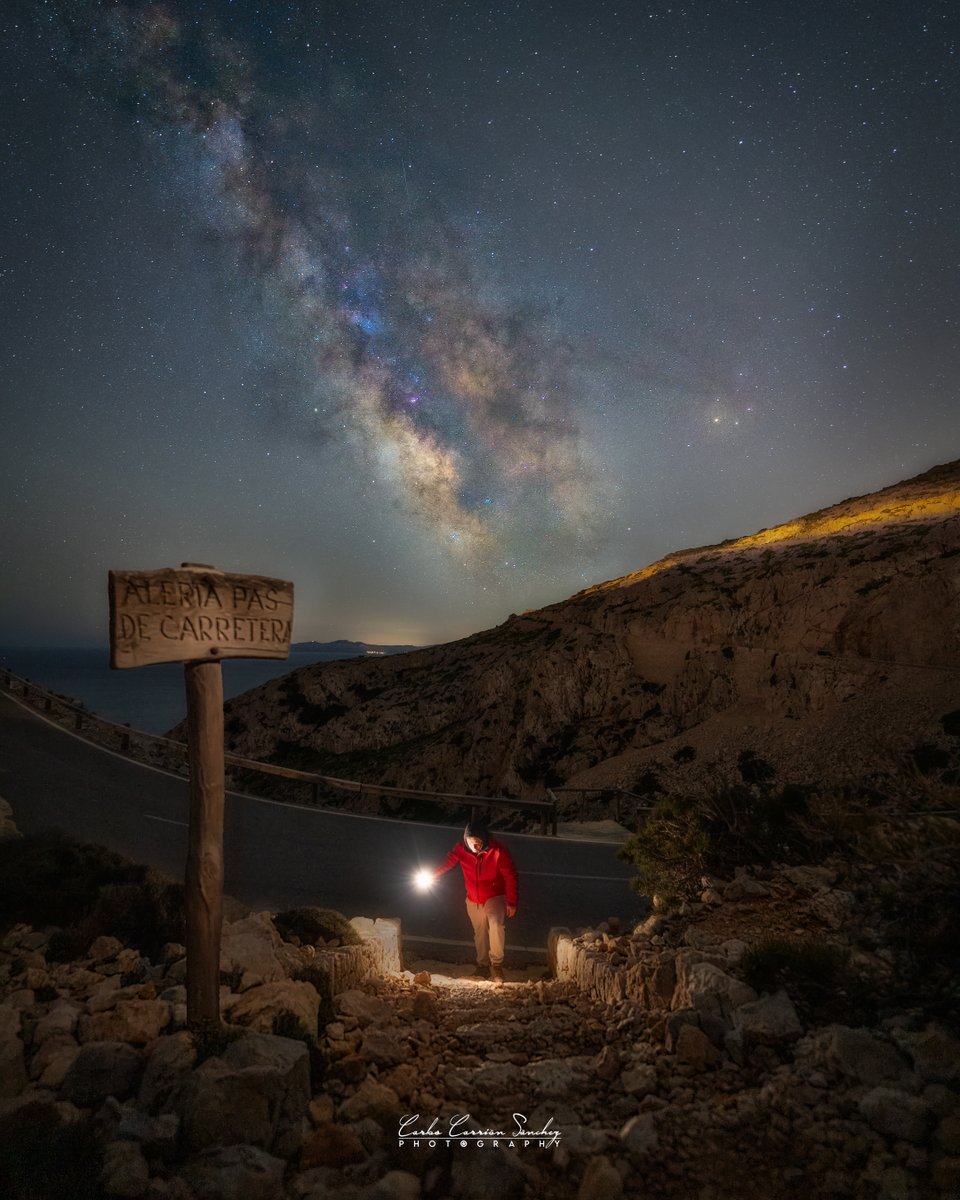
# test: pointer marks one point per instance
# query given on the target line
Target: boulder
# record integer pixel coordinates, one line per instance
(236, 1173)
(395, 1185)
(493, 1171)
(252, 946)
(260, 1007)
(13, 1069)
(372, 1099)
(331, 1145)
(134, 1021)
(384, 1047)
(557, 1077)
(639, 1135)
(51, 1062)
(897, 1114)
(856, 1054)
(771, 1021)
(601, 1181)
(252, 1094)
(367, 1009)
(124, 1171)
(694, 1048)
(169, 1060)
(102, 1069)
(60, 1020)
(708, 989)
(104, 949)
(935, 1054)
(639, 1080)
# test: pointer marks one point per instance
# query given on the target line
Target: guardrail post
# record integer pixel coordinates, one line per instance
(315, 793)
(125, 743)
(47, 703)
(78, 720)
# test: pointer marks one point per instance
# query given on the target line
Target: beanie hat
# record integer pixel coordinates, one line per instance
(478, 828)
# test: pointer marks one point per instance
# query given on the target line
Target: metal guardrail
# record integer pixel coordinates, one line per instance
(124, 739)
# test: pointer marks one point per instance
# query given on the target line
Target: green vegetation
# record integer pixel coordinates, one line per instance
(87, 891)
(310, 925)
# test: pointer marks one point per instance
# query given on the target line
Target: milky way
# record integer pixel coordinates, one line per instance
(464, 400)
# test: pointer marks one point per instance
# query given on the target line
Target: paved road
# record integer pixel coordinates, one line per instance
(281, 855)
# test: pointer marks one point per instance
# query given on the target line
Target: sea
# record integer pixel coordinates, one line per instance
(149, 698)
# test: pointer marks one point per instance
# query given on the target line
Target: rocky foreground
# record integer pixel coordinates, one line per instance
(653, 1070)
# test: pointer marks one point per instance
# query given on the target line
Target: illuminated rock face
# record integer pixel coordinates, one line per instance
(808, 650)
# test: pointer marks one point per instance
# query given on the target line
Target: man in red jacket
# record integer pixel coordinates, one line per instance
(491, 879)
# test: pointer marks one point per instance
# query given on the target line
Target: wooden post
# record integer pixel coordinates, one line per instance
(204, 875)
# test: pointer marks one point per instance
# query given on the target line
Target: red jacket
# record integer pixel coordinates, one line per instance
(487, 874)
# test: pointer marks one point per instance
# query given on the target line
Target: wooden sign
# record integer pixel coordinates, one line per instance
(197, 614)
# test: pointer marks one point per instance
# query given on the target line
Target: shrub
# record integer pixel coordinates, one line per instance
(47, 879)
(782, 962)
(669, 852)
(309, 925)
(87, 890)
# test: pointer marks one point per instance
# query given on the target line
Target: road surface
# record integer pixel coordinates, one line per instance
(279, 855)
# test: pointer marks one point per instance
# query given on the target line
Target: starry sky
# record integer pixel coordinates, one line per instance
(445, 309)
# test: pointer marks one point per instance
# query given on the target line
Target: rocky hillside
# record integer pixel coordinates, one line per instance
(822, 651)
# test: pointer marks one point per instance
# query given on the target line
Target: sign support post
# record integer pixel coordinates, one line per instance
(204, 874)
(198, 616)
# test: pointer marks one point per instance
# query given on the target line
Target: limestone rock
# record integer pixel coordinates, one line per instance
(601, 1181)
(769, 1021)
(395, 1185)
(259, 1087)
(134, 1021)
(639, 1135)
(935, 1054)
(236, 1173)
(494, 1171)
(61, 1019)
(104, 949)
(384, 1047)
(639, 1080)
(366, 1008)
(13, 1069)
(125, 1172)
(856, 1054)
(897, 1114)
(331, 1145)
(374, 1100)
(260, 1007)
(169, 1061)
(102, 1069)
(251, 946)
(707, 988)
(695, 1048)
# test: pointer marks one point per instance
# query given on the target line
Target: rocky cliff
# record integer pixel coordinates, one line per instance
(825, 650)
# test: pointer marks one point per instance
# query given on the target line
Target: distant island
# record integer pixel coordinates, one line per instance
(342, 646)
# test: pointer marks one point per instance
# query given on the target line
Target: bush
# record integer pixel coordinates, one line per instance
(817, 977)
(309, 925)
(88, 891)
(47, 879)
(669, 852)
(781, 962)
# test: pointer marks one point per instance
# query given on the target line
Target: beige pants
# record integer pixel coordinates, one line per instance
(489, 933)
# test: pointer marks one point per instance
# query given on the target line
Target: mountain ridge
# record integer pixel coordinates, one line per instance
(794, 645)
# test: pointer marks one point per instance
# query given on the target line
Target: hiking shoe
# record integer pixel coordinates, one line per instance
(496, 972)
(481, 971)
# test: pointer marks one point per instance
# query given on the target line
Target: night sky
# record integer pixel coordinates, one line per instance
(444, 310)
